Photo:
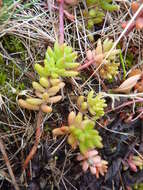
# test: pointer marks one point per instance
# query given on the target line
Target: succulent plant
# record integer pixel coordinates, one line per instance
(94, 16)
(138, 22)
(95, 105)
(95, 13)
(93, 161)
(109, 68)
(59, 62)
(81, 133)
(134, 162)
(45, 95)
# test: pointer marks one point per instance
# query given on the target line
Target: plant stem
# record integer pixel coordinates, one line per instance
(37, 140)
(66, 13)
(3, 151)
(61, 20)
(85, 65)
(125, 104)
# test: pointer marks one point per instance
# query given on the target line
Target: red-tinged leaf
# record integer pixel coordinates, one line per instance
(0, 3)
(132, 166)
(128, 84)
(135, 6)
(139, 23)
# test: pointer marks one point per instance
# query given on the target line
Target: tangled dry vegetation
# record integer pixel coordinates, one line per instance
(71, 94)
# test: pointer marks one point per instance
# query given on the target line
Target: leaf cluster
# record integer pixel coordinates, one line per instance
(45, 94)
(81, 132)
(59, 62)
(96, 8)
(109, 59)
(104, 4)
(95, 105)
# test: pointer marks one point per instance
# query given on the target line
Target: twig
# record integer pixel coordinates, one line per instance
(37, 140)
(61, 20)
(2, 148)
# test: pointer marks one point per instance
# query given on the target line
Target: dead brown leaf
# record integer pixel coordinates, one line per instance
(128, 84)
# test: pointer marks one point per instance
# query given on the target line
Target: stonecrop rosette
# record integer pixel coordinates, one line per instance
(95, 105)
(81, 133)
(44, 95)
(59, 62)
(108, 61)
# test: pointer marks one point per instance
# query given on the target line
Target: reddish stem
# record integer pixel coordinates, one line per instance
(124, 104)
(86, 64)
(61, 20)
(67, 14)
(37, 140)
(133, 25)
(130, 29)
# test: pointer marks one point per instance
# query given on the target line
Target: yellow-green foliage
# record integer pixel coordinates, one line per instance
(81, 133)
(95, 105)
(104, 4)
(94, 16)
(138, 186)
(59, 62)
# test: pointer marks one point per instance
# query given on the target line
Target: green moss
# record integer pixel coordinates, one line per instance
(138, 186)
(3, 75)
(9, 85)
(2, 78)
(13, 44)
(1, 60)
(129, 60)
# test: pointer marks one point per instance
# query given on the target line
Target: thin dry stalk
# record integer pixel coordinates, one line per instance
(2, 148)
